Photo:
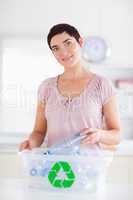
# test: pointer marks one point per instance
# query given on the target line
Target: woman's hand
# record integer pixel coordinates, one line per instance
(25, 145)
(34, 141)
(92, 136)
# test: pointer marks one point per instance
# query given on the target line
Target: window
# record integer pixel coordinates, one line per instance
(25, 63)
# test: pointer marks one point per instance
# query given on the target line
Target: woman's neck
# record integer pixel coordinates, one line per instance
(75, 73)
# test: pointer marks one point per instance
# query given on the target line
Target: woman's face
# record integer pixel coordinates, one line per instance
(66, 49)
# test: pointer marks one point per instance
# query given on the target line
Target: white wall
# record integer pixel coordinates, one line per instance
(109, 18)
(27, 19)
(26, 62)
(0, 70)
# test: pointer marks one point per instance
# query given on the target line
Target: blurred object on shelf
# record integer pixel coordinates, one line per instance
(126, 84)
(125, 100)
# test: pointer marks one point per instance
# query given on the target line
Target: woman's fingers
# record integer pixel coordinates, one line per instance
(88, 131)
(84, 131)
(24, 145)
(91, 139)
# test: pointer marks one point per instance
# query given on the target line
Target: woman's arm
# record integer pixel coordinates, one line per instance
(111, 136)
(36, 138)
(112, 120)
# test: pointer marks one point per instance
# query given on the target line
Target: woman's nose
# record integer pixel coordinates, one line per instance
(63, 51)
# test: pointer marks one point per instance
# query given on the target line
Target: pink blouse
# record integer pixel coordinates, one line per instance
(69, 115)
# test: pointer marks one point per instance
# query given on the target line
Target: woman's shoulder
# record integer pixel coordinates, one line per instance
(48, 82)
(45, 88)
(102, 80)
(102, 83)
(105, 87)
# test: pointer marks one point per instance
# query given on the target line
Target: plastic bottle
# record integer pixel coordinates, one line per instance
(67, 146)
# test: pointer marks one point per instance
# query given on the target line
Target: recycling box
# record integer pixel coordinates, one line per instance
(64, 172)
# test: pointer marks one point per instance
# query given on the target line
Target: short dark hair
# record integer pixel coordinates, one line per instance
(60, 28)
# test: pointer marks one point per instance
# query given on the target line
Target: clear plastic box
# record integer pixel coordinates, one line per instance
(65, 172)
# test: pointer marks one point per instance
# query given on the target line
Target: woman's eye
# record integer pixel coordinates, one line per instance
(69, 43)
(55, 49)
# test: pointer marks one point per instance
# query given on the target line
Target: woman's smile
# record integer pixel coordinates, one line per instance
(67, 59)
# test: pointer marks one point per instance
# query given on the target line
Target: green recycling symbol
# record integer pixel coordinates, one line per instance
(61, 183)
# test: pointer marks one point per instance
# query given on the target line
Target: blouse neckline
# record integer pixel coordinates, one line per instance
(88, 85)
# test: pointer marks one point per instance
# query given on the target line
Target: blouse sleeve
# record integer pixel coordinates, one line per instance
(107, 90)
(43, 91)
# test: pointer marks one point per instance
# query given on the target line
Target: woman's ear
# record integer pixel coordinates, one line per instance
(81, 41)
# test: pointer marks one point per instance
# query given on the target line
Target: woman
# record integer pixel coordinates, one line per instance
(76, 100)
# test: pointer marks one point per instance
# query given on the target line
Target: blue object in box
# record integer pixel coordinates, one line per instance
(69, 146)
